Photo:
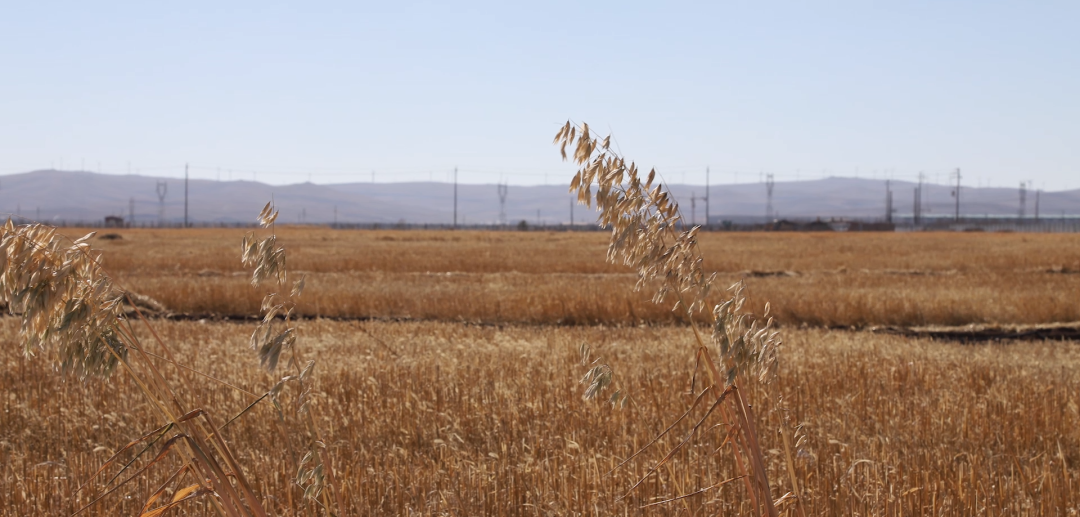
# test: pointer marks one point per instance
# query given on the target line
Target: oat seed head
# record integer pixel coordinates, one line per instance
(267, 260)
(62, 297)
(647, 234)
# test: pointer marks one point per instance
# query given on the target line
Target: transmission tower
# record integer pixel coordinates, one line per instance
(162, 188)
(503, 188)
(768, 203)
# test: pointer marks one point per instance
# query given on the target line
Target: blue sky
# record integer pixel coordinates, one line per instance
(336, 90)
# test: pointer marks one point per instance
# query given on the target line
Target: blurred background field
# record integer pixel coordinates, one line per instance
(833, 279)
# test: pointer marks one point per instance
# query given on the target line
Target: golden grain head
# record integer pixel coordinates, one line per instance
(62, 297)
(267, 260)
(647, 234)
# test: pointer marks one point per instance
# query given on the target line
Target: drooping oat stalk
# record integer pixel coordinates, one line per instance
(647, 234)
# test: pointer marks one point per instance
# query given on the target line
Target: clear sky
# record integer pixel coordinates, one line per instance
(409, 90)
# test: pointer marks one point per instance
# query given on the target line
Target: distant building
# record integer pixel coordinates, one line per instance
(114, 221)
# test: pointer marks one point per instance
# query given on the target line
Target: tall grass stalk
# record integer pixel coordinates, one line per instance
(648, 235)
(315, 471)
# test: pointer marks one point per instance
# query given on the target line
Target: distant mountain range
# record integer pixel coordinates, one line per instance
(52, 195)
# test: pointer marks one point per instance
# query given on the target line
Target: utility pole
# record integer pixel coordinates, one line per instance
(335, 216)
(706, 197)
(571, 212)
(693, 208)
(768, 204)
(956, 194)
(162, 188)
(917, 212)
(915, 207)
(455, 195)
(1037, 192)
(888, 202)
(185, 195)
(1023, 198)
(131, 212)
(503, 188)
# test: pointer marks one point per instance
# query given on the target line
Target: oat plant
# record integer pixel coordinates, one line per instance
(274, 336)
(71, 309)
(732, 344)
(68, 306)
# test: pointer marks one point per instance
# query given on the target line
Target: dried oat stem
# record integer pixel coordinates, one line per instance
(647, 234)
(314, 472)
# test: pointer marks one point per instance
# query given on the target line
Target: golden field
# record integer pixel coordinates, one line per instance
(450, 419)
(450, 384)
(545, 277)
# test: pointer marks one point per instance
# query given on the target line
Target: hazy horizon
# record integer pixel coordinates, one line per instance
(86, 196)
(336, 90)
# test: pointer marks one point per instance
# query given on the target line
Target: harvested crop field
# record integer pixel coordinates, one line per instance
(854, 279)
(448, 363)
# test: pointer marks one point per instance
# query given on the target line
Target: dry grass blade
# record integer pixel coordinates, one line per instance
(165, 448)
(157, 434)
(692, 494)
(665, 431)
(693, 431)
(189, 493)
(164, 486)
